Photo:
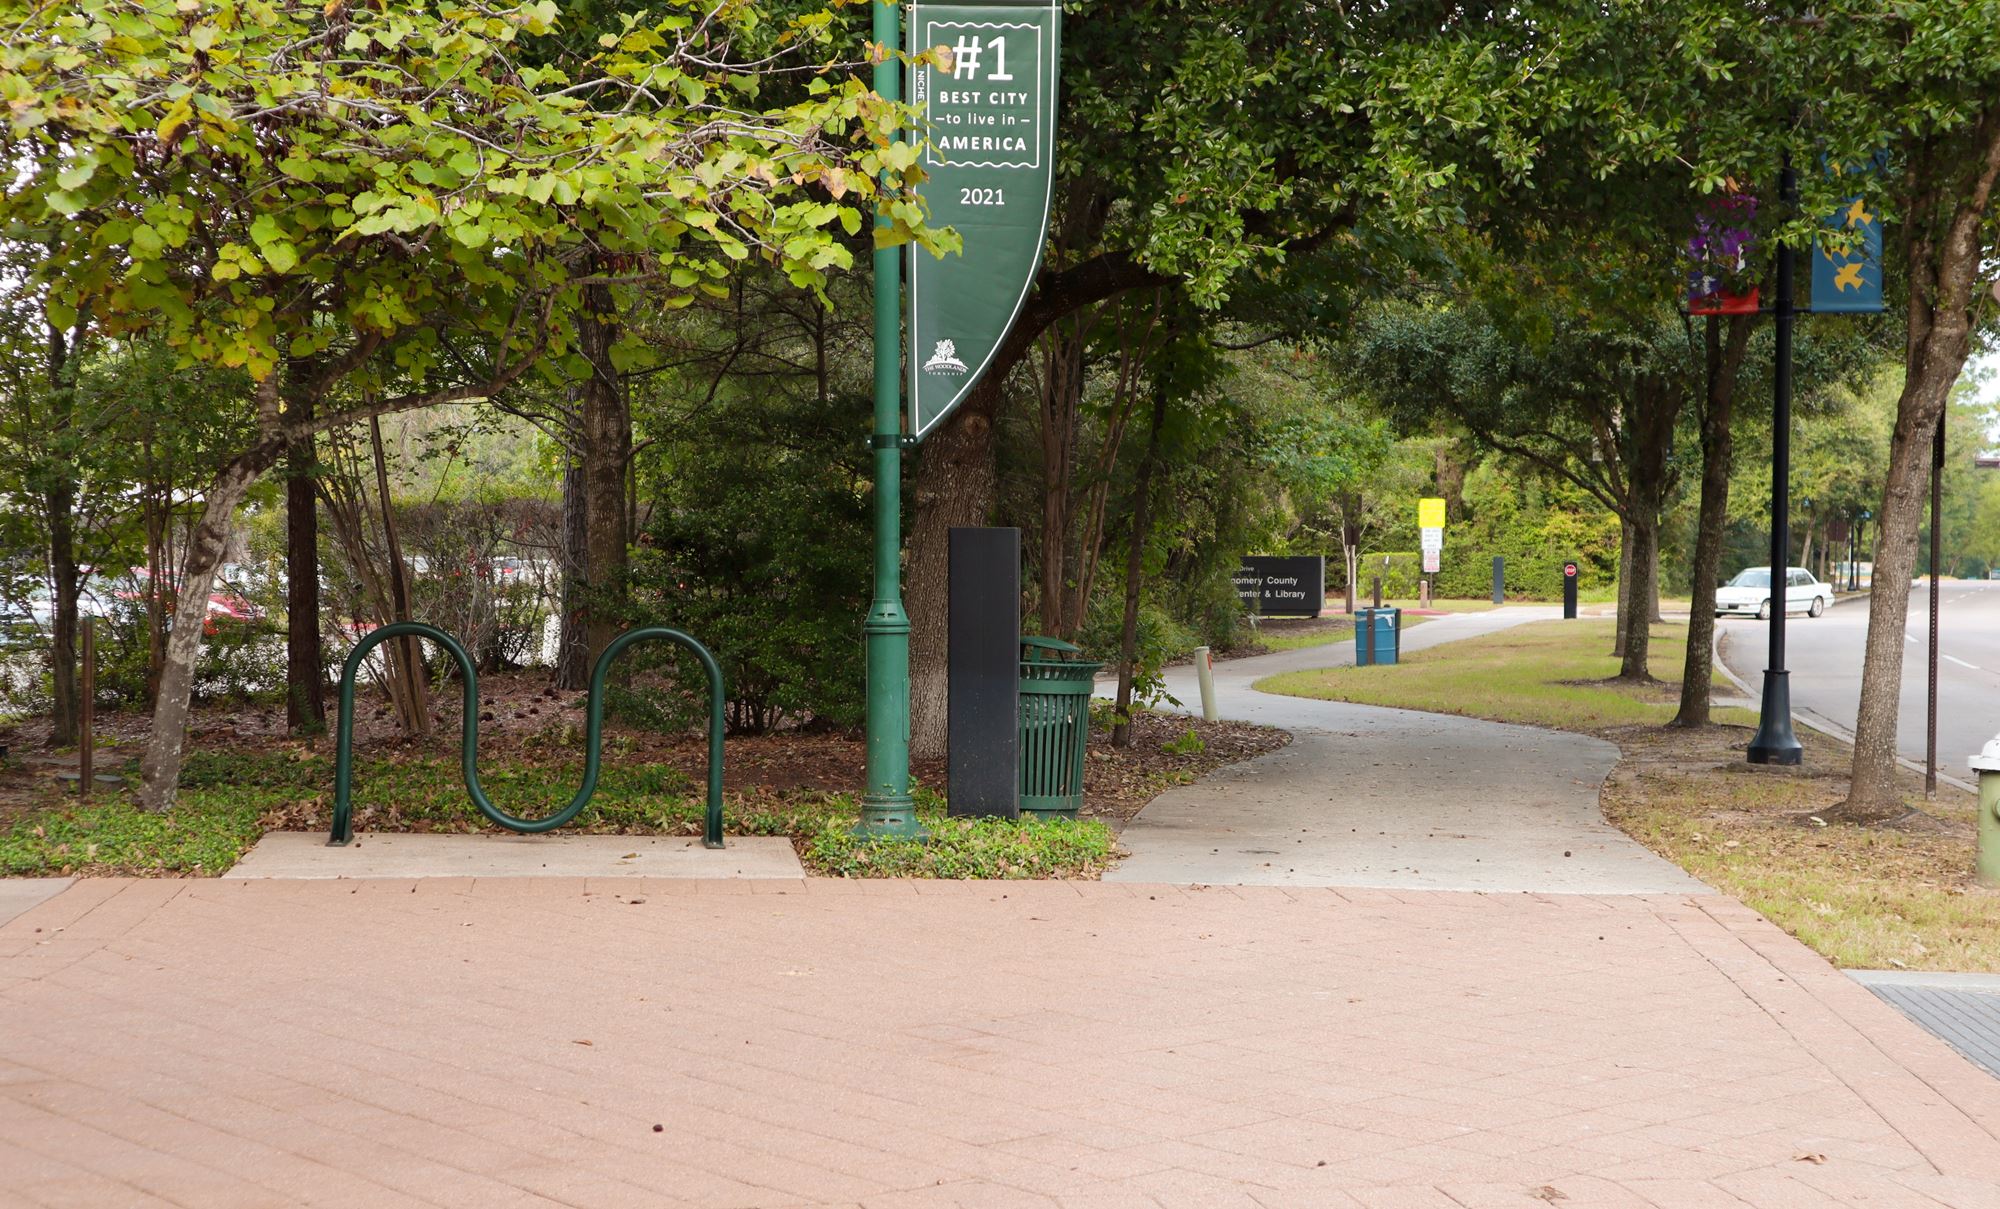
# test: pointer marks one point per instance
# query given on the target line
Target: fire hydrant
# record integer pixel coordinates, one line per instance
(1987, 765)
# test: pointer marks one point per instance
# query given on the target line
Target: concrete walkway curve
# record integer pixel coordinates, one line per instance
(1393, 799)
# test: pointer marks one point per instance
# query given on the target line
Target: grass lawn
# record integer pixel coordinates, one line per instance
(1441, 605)
(1550, 673)
(1865, 897)
(1276, 636)
(1283, 634)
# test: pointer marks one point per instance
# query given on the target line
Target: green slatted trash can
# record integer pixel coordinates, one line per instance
(1055, 725)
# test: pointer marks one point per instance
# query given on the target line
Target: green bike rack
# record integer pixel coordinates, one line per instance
(343, 767)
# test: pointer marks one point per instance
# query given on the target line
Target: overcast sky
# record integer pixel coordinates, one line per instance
(1986, 372)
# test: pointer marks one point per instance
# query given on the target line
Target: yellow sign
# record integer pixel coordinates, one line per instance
(1430, 514)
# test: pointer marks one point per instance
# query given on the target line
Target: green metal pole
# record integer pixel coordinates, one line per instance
(886, 809)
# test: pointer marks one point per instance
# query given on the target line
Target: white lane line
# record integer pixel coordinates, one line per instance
(1962, 663)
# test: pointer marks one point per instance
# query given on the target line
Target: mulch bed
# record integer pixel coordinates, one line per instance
(1118, 782)
(523, 719)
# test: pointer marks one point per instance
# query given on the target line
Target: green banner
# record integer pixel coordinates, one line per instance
(989, 152)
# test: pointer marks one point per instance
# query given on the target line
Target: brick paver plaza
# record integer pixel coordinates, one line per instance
(507, 1043)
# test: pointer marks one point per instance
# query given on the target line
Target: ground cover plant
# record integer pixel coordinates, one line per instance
(1866, 897)
(788, 784)
(232, 800)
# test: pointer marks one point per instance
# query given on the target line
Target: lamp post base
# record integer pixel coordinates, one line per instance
(887, 813)
(1775, 743)
(888, 819)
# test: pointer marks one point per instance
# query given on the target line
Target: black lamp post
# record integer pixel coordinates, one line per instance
(1775, 743)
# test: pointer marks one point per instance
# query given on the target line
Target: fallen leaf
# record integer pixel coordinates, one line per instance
(1811, 1156)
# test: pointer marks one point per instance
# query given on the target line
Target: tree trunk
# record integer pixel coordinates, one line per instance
(955, 482)
(1725, 361)
(572, 643)
(305, 670)
(1873, 794)
(158, 513)
(1638, 629)
(1944, 247)
(1654, 613)
(1135, 565)
(407, 679)
(606, 452)
(1062, 398)
(1656, 405)
(1134, 347)
(65, 581)
(60, 501)
(1350, 547)
(1624, 606)
(1450, 475)
(160, 766)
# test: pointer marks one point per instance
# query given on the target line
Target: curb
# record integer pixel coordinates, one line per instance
(1824, 726)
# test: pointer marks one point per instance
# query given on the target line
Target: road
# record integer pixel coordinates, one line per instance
(1825, 657)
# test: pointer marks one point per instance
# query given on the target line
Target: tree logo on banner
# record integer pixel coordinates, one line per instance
(945, 360)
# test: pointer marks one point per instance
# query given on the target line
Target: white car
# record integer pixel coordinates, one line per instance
(1750, 594)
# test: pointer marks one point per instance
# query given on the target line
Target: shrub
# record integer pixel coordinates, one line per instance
(762, 551)
(1159, 641)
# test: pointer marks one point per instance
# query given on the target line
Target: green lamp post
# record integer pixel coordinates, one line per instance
(985, 82)
(886, 808)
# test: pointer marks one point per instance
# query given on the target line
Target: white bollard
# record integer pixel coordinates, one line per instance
(1204, 672)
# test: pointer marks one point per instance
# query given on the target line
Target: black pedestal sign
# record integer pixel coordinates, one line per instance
(1569, 591)
(985, 662)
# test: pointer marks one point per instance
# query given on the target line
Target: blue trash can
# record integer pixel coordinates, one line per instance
(1377, 636)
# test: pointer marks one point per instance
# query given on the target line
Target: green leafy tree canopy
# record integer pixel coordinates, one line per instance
(258, 179)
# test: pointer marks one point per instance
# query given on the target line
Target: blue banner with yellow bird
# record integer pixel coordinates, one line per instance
(1847, 277)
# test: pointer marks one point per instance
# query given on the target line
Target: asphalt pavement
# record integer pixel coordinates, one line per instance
(1825, 656)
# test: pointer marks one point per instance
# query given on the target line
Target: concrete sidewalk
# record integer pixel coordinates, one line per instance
(1392, 799)
(544, 1042)
(19, 894)
(300, 854)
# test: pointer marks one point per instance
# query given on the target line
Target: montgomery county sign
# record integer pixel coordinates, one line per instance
(988, 114)
(1272, 586)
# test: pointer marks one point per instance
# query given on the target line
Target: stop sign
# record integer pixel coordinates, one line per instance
(1569, 570)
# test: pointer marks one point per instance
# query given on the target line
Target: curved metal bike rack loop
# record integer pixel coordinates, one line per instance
(343, 768)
